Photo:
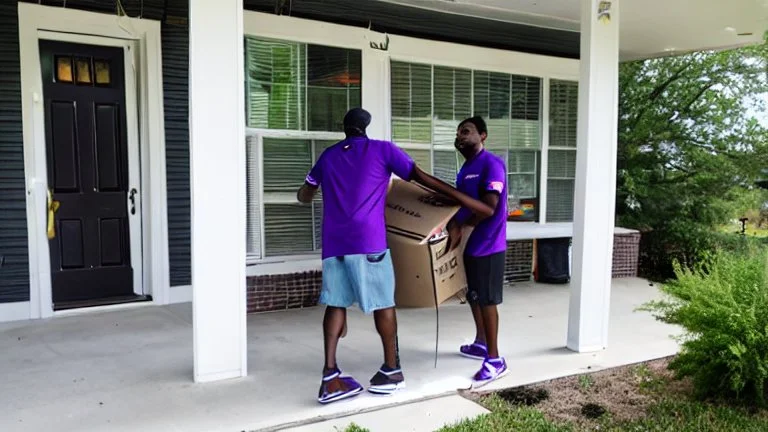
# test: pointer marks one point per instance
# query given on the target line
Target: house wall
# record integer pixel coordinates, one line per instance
(175, 40)
(14, 258)
(380, 16)
(14, 262)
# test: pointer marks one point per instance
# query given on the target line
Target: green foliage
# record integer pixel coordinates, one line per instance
(355, 428)
(586, 382)
(504, 417)
(690, 416)
(667, 414)
(722, 303)
(690, 148)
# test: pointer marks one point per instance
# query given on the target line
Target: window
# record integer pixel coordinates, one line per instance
(429, 101)
(562, 150)
(296, 98)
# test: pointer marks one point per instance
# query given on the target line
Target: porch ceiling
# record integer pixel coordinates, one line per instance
(649, 28)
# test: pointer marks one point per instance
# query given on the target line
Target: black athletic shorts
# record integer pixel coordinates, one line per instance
(485, 279)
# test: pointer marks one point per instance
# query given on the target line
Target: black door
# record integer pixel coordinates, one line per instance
(87, 156)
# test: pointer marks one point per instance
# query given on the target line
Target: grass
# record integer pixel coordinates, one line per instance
(665, 405)
(752, 230)
(663, 416)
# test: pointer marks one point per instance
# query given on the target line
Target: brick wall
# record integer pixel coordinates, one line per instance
(285, 291)
(301, 290)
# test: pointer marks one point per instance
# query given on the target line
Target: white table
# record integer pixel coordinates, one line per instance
(535, 230)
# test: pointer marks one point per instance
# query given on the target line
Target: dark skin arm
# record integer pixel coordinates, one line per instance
(454, 228)
(480, 209)
(306, 193)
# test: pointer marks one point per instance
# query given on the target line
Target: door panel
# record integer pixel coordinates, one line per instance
(107, 147)
(86, 141)
(65, 150)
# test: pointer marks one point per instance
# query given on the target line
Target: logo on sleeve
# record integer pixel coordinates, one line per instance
(496, 186)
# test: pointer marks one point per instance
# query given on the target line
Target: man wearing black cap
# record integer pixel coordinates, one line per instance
(357, 266)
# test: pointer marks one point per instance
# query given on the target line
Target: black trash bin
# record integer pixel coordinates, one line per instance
(552, 263)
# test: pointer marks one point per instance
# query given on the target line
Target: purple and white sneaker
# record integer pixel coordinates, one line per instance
(387, 381)
(476, 350)
(491, 370)
(336, 387)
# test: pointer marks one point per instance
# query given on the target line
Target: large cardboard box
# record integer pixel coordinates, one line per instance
(426, 272)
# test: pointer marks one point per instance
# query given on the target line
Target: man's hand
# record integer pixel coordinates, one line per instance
(306, 193)
(454, 235)
(439, 200)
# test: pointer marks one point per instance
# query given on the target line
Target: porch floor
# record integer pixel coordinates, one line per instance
(132, 369)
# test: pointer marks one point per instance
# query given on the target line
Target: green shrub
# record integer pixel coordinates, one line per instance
(722, 303)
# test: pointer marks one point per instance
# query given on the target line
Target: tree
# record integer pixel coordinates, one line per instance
(690, 144)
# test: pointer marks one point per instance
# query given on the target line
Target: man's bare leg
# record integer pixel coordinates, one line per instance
(386, 325)
(490, 317)
(334, 325)
(480, 333)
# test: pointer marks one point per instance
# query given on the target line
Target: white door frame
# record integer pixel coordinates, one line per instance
(144, 108)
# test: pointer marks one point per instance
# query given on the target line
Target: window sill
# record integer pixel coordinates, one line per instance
(284, 265)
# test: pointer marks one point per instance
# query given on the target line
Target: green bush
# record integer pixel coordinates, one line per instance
(722, 303)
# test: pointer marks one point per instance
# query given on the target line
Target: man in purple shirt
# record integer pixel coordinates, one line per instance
(357, 267)
(483, 176)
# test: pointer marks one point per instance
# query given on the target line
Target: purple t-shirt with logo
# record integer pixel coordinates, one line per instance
(354, 176)
(482, 174)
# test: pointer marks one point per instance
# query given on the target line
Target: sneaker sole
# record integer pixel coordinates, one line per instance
(470, 356)
(342, 396)
(479, 384)
(387, 390)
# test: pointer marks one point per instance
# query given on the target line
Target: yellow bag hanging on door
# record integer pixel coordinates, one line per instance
(53, 207)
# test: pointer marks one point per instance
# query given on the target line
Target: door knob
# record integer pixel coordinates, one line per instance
(53, 207)
(132, 197)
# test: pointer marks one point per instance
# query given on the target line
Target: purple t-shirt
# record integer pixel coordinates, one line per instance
(482, 174)
(354, 177)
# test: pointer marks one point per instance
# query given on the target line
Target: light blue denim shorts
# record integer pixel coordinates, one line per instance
(368, 280)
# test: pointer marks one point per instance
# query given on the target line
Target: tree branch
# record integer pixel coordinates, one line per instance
(701, 92)
(658, 91)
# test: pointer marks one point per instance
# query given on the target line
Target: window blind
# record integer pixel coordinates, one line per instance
(562, 154)
(522, 169)
(492, 102)
(253, 197)
(275, 80)
(560, 185)
(300, 86)
(411, 103)
(526, 112)
(452, 102)
(446, 165)
(563, 113)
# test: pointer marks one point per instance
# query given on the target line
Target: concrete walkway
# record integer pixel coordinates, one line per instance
(423, 416)
(132, 369)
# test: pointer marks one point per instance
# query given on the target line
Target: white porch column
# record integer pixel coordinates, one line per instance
(217, 180)
(595, 196)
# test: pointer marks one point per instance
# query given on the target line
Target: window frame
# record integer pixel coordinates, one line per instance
(376, 90)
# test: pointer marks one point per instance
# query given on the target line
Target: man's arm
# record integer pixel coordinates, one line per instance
(306, 193)
(480, 209)
(455, 226)
(312, 182)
